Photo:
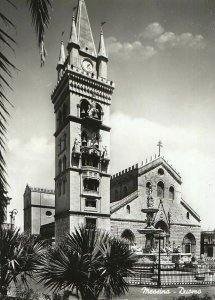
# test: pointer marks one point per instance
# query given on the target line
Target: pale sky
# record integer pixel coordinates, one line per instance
(162, 59)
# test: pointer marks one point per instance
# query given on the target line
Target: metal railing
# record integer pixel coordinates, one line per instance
(176, 275)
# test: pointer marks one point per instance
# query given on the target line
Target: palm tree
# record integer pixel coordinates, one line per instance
(39, 10)
(18, 257)
(90, 262)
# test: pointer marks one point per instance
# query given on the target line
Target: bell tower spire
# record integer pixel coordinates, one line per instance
(84, 32)
(102, 50)
(73, 34)
(102, 55)
(73, 45)
(82, 100)
(61, 60)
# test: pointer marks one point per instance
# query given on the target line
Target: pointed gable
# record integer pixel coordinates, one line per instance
(84, 32)
(160, 161)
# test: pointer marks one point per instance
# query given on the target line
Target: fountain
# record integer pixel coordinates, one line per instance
(150, 231)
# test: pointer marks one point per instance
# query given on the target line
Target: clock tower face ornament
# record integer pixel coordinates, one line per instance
(87, 65)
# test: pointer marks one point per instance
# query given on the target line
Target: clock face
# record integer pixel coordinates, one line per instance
(87, 65)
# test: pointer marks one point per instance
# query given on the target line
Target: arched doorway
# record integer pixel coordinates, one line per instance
(189, 243)
(128, 235)
(164, 227)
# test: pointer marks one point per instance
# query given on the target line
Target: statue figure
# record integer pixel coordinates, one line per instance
(177, 249)
(105, 152)
(150, 202)
(92, 111)
(149, 220)
(95, 141)
(76, 147)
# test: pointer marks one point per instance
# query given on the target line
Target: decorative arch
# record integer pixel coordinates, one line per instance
(171, 193)
(84, 108)
(148, 188)
(160, 189)
(128, 235)
(162, 225)
(189, 243)
(84, 139)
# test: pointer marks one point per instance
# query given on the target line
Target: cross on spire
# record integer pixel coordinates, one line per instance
(160, 145)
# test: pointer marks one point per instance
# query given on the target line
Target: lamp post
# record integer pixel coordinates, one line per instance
(159, 235)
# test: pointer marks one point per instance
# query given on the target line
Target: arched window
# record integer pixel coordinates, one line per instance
(64, 163)
(148, 188)
(171, 193)
(116, 195)
(128, 209)
(125, 191)
(189, 243)
(59, 166)
(84, 139)
(84, 108)
(160, 189)
(188, 215)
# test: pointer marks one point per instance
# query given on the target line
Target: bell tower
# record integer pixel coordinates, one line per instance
(82, 99)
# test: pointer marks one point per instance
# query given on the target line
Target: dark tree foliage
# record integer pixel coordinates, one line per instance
(90, 262)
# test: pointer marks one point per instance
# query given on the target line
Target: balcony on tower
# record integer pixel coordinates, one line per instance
(90, 152)
(91, 184)
(90, 158)
(91, 113)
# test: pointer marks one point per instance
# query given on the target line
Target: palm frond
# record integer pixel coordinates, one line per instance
(19, 255)
(117, 263)
(39, 10)
(6, 68)
(90, 261)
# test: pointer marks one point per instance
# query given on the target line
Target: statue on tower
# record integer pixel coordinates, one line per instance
(105, 152)
(92, 111)
(76, 147)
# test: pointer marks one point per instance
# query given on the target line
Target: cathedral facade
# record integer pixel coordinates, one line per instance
(130, 191)
(85, 192)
